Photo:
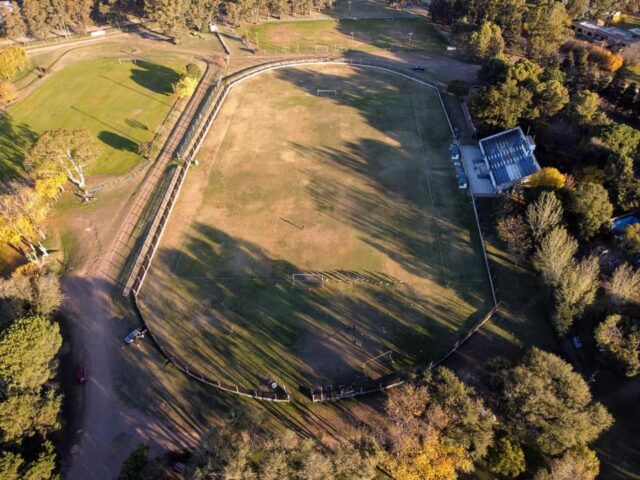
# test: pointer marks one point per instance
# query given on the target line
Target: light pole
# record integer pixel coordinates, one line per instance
(349, 2)
(410, 35)
(352, 34)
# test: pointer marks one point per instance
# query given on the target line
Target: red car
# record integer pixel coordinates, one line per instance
(81, 374)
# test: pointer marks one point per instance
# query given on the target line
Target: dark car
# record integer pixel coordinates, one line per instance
(81, 374)
(418, 68)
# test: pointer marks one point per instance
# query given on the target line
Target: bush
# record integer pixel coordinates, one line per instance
(193, 70)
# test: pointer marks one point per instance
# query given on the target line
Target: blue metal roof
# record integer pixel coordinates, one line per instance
(509, 156)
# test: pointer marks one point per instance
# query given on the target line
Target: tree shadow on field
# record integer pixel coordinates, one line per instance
(15, 142)
(409, 207)
(118, 141)
(233, 314)
(154, 77)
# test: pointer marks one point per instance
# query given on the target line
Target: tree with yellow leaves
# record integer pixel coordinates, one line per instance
(21, 215)
(8, 92)
(548, 177)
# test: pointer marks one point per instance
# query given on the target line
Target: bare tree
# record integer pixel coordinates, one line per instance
(624, 284)
(554, 254)
(544, 214)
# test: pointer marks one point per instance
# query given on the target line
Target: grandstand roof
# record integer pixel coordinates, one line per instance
(509, 157)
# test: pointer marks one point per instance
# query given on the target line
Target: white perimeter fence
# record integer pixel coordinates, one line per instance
(186, 152)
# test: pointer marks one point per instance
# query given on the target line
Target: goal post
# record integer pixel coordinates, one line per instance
(133, 60)
(321, 91)
(308, 278)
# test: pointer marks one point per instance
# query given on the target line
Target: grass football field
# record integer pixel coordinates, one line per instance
(356, 186)
(362, 35)
(121, 103)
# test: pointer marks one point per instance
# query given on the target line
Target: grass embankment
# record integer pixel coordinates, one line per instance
(362, 35)
(121, 103)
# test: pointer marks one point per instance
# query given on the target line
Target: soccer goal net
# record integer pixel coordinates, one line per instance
(310, 278)
(326, 92)
(133, 60)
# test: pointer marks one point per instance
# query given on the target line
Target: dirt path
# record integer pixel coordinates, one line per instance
(108, 429)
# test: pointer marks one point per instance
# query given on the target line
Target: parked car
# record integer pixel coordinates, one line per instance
(418, 68)
(134, 335)
(81, 374)
(577, 342)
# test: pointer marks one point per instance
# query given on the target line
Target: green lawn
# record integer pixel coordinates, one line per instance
(368, 35)
(122, 104)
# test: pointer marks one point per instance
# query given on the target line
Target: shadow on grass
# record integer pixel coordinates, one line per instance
(233, 313)
(15, 141)
(154, 77)
(118, 141)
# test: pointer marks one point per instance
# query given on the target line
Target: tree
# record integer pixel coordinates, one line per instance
(550, 404)
(486, 42)
(620, 335)
(31, 291)
(624, 284)
(459, 88)
(200, 13)
(44, 466)
(547, 25)
(576, 463)
(10, 464)
(439, 411)
(550, 98)
(547, 177)
(36, 13)
(494, 70)
(575, 291)
(14, 26)
(21, 214)
(63, 151)
(501, 106)
(186, 86)
(544, 214)
(554, 255)
(27, 348)
(12, 60)
(8, 93)
(171, 15)
(591, 207)
(27, 413)
(506, 458)
(584, 105)
(622, 140)
(631, 238)
(133, 468)
(512, 230)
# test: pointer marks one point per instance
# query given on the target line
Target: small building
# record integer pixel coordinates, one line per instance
(611, 37)
(508, 158)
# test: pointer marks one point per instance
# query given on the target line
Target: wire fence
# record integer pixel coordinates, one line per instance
(395, 379)
(186, 151)
(277, 394)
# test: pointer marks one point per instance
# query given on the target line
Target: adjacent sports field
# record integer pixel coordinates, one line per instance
(356, 186)
(362, 35)
(121, 103)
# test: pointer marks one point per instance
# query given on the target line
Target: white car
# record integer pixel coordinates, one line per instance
(137, 333)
